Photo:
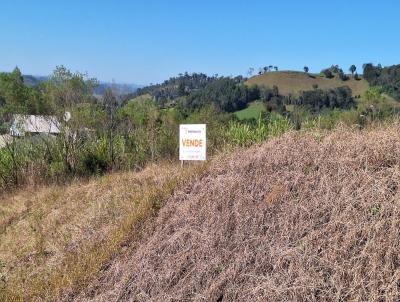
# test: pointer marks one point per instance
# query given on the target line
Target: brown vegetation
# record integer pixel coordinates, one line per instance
(306, 217)
(55, 239)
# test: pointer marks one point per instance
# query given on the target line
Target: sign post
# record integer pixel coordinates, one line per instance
(192, 142)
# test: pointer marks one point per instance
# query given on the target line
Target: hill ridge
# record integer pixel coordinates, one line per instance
(292, 82)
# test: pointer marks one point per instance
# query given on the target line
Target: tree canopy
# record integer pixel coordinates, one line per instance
(386, 77)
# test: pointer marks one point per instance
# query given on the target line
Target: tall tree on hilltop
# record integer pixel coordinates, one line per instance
(353, 69)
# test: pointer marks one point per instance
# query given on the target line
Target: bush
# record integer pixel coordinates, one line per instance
(387, 77)
(57, 170)
(327, 73)
(94, 164)
(317, 99)
(342, 76)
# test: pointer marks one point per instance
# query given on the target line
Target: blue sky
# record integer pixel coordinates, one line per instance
(149, 41)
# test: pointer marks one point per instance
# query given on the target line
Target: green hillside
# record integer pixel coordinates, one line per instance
(253, 110)
(293, 82)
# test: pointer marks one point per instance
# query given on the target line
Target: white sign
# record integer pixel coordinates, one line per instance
(192, 142)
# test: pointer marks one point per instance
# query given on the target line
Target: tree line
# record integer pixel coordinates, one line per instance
(386, 77)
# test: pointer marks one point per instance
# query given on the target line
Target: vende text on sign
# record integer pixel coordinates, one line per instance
(192, 142)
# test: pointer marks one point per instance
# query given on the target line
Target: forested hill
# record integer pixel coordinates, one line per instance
(121, 88)
(176, 87)
(31, 80)
(196, 90)
(331, 89)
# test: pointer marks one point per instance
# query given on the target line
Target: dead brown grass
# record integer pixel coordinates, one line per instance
(54, 240)
(300, 218)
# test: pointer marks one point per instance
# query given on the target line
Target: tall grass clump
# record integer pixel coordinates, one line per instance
(246, 134)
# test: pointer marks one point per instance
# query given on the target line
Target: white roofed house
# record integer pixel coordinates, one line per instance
(23, 125)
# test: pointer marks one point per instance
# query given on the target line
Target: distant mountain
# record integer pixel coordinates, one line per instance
(31, 80)
(122, 89)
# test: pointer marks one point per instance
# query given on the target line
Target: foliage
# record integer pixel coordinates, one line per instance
(175, 87)
(272, 99)
(16, 97)
(372, 107)
(352, 68)
(327, 73)
(318, 99)
(226, 94)
(387, 77)
(216, 125)
(333, 71)
(245, 134)
(195, 90)
(375, 106)
(66, 89)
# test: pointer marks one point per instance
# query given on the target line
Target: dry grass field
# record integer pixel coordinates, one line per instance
(54, 239)
(305, 217)
(309, 216)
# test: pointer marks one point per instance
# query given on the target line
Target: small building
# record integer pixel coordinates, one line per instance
(34, 125)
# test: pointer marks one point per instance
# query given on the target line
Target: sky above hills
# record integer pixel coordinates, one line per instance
(148, 41)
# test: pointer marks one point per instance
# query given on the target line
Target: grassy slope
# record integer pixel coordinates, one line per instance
(294, 82)
(253, 110)
(56, 238)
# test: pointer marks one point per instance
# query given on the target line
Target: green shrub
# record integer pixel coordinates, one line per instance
(57, 170)
(242, 134)
(94, 164)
